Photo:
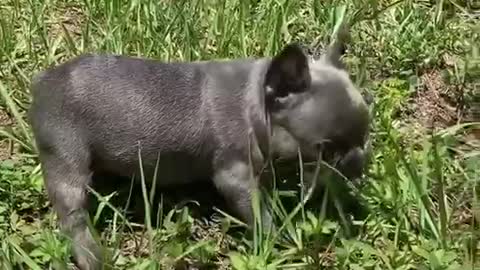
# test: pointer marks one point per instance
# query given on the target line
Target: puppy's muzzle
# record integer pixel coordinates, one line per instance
(352, 164)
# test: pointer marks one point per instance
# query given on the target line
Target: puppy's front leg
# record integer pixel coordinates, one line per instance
(234, 181)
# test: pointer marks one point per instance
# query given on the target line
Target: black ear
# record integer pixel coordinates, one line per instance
(288, 72)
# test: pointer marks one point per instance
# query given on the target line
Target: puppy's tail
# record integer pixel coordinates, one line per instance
(342, 37)
(339, 46)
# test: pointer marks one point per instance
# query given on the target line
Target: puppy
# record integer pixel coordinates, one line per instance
(216, 120)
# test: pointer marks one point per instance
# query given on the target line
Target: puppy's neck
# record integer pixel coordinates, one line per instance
(258, 112)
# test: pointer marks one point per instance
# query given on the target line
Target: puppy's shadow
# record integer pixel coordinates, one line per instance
(342, 203)
(202, 198)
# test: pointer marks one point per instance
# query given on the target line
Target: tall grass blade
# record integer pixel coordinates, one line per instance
(148, 219)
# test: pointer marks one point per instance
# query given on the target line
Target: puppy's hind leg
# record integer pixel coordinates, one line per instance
(66, 180)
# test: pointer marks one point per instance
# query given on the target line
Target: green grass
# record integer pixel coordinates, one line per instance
(421, 189)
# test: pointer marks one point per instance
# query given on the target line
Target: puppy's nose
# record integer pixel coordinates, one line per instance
(324, 148)
(352, 164)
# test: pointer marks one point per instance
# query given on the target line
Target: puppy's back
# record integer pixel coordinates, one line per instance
(114, 102)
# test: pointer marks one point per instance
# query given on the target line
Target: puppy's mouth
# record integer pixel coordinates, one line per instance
(347, 162)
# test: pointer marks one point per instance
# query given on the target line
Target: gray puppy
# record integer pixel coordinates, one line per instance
(205, 120)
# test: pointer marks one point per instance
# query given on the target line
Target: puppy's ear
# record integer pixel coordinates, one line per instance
(288, 72)
(337, 49)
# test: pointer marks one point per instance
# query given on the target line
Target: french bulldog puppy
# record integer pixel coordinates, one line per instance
(216, 120)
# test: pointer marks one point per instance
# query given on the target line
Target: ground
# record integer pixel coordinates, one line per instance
(419, 61)
(5, 148)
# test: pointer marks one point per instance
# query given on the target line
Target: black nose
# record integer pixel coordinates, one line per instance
(352, 164)
(326, 149)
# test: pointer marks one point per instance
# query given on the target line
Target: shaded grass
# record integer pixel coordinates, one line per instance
(422, 194)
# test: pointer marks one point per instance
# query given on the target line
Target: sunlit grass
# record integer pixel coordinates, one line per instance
(421, 192)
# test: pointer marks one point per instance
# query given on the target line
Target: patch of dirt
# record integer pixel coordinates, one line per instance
(5, 146)
(435, 104)
(136, 245)
(438, 104)
(5, 119)
(71, 17)
(4, 150)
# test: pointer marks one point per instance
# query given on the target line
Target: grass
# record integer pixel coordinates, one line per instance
(421, 189)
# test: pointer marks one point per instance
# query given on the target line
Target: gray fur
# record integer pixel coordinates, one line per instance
(93, 113)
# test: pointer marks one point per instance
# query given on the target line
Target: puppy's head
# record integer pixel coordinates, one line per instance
(317, 104)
